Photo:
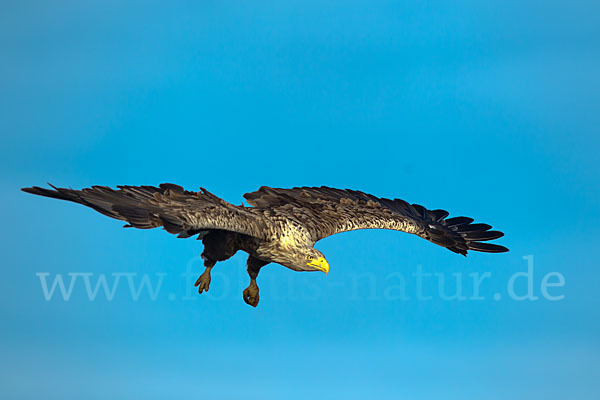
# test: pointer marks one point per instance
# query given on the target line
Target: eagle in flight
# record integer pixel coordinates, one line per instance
(282, 225)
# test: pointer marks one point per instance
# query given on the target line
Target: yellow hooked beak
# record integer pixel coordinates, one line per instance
(321, 264)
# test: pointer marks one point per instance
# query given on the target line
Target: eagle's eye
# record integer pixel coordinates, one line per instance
(310, 258)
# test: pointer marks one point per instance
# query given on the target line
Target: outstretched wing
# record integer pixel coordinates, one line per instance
(326, 211)
(177, 210)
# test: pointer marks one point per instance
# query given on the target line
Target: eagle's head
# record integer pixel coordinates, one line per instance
(316, 260)
(301, 259)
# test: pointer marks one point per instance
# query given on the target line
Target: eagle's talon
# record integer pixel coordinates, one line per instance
(250, 295)
(203, 281)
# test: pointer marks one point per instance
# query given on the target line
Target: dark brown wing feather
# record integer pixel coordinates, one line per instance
(179, 211)
(326, 211)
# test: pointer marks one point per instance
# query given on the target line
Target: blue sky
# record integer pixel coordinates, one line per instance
(486, 109)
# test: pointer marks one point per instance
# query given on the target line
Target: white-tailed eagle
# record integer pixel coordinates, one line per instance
(282, 225)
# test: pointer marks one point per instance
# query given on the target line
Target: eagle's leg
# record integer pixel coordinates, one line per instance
(250, 294)
(219, 245)
(203, 281)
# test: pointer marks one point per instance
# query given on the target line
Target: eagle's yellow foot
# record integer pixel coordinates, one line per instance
(203, 281)
(251, 294)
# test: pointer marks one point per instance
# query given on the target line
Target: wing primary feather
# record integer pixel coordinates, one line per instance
(473, 228)
(458, 221)
(485, 235)
(487, 247)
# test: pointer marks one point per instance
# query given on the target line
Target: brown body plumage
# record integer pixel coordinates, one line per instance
(282, 225)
